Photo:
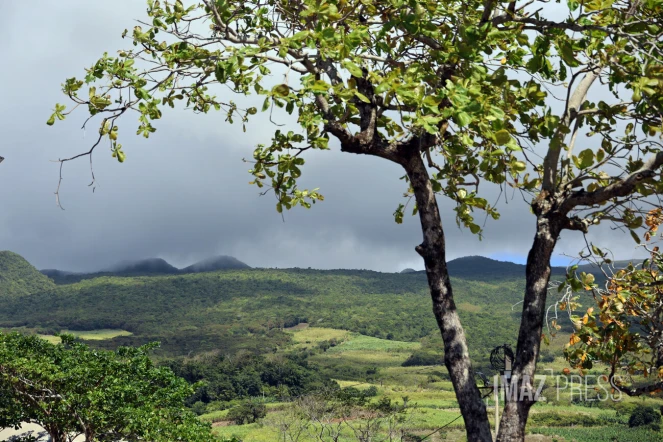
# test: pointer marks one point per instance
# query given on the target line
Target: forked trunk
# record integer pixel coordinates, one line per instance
(456, 355)
(516, 410)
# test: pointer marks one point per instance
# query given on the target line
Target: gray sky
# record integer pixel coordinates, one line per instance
(183, 195)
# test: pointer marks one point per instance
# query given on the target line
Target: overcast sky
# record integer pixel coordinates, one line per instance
(183, 195)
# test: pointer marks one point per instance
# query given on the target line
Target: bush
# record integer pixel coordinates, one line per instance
(546, 355)
(351, 396)
(554, 419)
(199, 408)
(644, 415)
(247, 412)
(422, 358)
(384, 405)
(371, 391)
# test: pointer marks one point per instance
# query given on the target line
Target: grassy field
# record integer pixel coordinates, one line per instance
(89, 335)
(432, 407)
(309, 337)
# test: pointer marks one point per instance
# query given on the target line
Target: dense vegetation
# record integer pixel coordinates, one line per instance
(146, 267)
(226, 379)
(71, 389)
(18, 278)
(224, 310)
(225, 333)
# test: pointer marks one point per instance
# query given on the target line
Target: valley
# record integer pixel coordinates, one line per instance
(364, 343)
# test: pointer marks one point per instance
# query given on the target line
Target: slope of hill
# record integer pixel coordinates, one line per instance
(229, 309)
(215, 263)
(18, 278)
(241, 308)
(147, 267)
(143, 267)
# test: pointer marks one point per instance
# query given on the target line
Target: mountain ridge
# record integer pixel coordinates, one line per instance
(227, 309)
(19, 278)
(147, 267)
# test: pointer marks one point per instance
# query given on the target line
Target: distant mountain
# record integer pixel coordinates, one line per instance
(18, 278)
(195, 309)
(148, 267)
(55, 274)
(408, 270)
(143, 267)
(482, 268)
(216, 263)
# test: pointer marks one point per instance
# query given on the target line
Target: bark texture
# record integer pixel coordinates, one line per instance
(516, 412)
(456, 355)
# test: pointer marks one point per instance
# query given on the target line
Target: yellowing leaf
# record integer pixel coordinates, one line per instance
(502, 137)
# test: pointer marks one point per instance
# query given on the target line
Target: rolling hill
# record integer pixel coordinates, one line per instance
(231, 309)
(18, 278)
(147, 267)
(216, 263)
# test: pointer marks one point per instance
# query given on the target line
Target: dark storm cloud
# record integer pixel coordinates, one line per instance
(183, 195)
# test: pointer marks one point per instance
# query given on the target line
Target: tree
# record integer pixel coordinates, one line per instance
(457, 93)
(70, 389)
(626, 332)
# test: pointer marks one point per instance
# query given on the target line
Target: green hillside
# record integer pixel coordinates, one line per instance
(227, 309)
(18, 278)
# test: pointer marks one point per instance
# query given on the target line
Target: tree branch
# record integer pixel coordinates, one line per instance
(620, 188)
(573, 103)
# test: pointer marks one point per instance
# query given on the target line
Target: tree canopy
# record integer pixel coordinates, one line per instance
(623, 328)
(457, 93)
(70, 389)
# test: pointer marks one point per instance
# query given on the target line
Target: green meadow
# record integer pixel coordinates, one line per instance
(432, 412)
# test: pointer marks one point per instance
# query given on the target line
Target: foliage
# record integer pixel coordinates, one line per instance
(245, 375)
(224, 310)
(601, 434)
(463, 89)
(69, 388)
(247, 412)
(644, 415)
(18, 278)
(422, 358)
(625, 331)
(554, 419)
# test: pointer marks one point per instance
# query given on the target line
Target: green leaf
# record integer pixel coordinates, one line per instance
(503, 137)
(353, 68)
(362, 97)
(519, 166)
(463, 119)
(320, 86)
(382, 87)
(142, 94)
(281, 90)
(586, 158)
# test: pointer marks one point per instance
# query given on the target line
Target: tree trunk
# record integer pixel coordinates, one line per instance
(456, 355)
(514, 417)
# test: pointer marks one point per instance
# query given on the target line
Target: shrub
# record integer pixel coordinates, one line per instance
(384, 405)
(247, 412)
(546, 356)
(351, 396)
(554, 419)
(199, 408)
(371, 391)
(422, 358)
(644, 415)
